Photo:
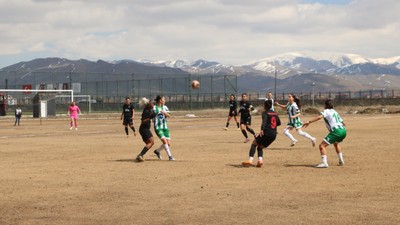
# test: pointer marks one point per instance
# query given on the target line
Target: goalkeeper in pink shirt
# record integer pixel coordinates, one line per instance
(73, 112)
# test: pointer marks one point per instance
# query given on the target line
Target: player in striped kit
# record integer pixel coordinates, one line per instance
(293, 110)
(337, 133)
(161, 127)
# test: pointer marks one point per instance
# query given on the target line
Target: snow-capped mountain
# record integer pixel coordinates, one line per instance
(293, 63)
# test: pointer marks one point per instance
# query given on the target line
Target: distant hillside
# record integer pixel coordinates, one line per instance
(296, 72)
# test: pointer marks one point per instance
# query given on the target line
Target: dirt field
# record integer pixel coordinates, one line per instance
(51, 175)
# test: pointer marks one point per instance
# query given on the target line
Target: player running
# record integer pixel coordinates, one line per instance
(293, 111)
(245, 117)
(144, 129)
(270, 121)
(128, 114)
(161, 127)
(232, 112)
(337, 133)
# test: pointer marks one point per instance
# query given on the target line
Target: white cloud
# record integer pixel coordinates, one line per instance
(228, 31)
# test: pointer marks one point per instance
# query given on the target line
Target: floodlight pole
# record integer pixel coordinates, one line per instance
(275, 84)
(312, 97)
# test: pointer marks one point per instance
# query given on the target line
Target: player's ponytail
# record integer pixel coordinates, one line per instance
(298, 102)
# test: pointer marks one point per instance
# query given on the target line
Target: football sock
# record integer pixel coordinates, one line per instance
(304, 134)
(251, 131)
(144, 150)
(288, 134)
(167, 150)
(133, 128)
(340, 155)
(126, 131)
(252, 150)
(260, 152)
(251, 159)
(324, 159)
(237, 124)
(227, 125)
(245, 134)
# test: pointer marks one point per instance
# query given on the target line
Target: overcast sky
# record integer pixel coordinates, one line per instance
(232, 32)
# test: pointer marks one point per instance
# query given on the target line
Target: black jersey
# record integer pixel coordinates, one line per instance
(270, 121)
(244, 108)
(128, 110)
(232, 106)
(147, 116)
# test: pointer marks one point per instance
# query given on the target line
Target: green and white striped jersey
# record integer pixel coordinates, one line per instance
(332, 119)
(293, 109)
(160, 121)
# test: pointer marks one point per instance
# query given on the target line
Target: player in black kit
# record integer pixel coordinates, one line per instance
(144, 130)
(128, 112)
(270, 120)
(245, 117)
(232, 111)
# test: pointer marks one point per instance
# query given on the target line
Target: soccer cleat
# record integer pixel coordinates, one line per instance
(313, 141)
(225, 128)
(260, 163)
(238, 129)
(171, 158)
(76, 128)
(247, 163)
(293, 143)
(157, 154)
(322, 165)
(70, 128)
(341, 163)
(139, 158)
(246, 140)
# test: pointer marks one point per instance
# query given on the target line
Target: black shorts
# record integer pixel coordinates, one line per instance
(146, 134)
(245, 120)
(265, 140)
(127, 121)
(232, 113)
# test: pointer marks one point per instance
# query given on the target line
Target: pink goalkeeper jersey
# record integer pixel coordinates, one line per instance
(73, 111)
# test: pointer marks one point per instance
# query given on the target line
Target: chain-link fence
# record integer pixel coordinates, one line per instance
(98, 92)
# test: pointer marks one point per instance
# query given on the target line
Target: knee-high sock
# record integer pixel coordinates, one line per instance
(166, 146)
(237, 124)
(126, 130)
(245, 134)
(260, 152)
(251, 131)
(144, 150)
(288, 134)
(159, 148)
(304, 134)
(252, 151)
(133, 128)
(227, 124)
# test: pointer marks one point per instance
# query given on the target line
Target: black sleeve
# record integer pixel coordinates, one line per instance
(278, 121)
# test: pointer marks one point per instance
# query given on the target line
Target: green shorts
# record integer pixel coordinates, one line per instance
(297, 124)
(336, 136)
(163, 133)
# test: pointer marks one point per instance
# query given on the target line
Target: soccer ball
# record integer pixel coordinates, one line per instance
(195, 84)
